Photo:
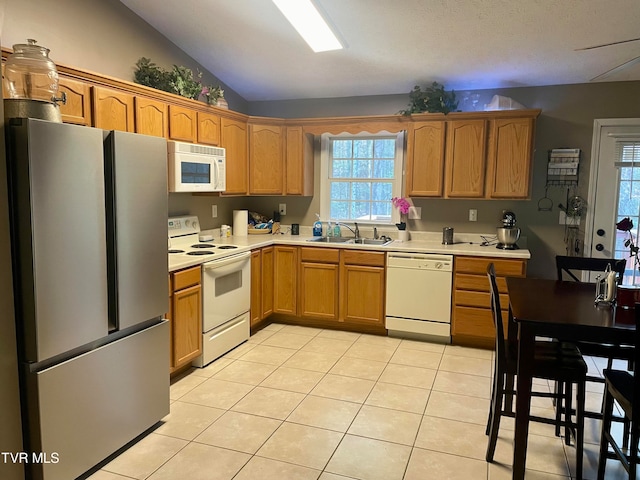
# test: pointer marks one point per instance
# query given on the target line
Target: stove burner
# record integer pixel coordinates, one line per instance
(176, 251)
(227, 247)
(200, 252)
(203, 245)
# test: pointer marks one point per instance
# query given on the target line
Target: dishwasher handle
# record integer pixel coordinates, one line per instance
(420, 261)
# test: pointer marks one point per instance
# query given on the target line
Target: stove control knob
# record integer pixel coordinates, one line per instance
(599, 247)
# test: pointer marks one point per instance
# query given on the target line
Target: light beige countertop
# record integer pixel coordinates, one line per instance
(420, 242)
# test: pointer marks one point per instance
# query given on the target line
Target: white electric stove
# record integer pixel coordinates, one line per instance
(226, 285)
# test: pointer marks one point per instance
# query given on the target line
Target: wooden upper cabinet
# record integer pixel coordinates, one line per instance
(233, 138)
(510, 158)
(112, 110)
(465, 158)
(182, 124)
(266, 160)
(208, 128)
(77, 109)
(151, 117)
(298, 162)
(425, 159)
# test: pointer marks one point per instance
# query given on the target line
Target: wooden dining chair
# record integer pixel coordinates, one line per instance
(624, 388)
(553, 361)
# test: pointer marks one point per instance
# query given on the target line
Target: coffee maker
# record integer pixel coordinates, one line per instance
(508, 234)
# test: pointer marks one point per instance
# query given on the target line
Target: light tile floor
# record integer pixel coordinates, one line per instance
(303, 403)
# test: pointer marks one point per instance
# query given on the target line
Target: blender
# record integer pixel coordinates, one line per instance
(508, 234)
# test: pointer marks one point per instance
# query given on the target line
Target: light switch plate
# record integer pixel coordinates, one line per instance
(214, 211)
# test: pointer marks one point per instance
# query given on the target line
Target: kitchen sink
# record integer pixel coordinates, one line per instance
(332, 239)
(372, 241)
(357, 241)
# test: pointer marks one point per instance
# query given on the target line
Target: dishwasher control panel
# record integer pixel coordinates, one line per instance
(420, 261)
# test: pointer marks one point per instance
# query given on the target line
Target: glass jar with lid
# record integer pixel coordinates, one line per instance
(30, 73)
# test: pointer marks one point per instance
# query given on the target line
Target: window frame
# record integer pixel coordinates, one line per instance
(397, 183)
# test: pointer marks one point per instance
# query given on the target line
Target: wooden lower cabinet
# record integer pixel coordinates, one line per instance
(185, 316)
(319, 274)
(285, 279)
(472, 321)
(362, 288)
(261, 284)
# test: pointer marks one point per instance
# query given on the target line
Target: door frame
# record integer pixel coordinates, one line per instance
(598, 125)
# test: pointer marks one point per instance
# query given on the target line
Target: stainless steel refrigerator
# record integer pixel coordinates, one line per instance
(88, 214)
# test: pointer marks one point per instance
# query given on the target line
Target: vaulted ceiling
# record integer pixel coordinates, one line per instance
(392, 45)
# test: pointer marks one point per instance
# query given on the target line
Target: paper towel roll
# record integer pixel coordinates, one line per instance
(240, 222)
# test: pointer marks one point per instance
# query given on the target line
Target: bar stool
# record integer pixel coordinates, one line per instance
(552, 361)
(623, 388)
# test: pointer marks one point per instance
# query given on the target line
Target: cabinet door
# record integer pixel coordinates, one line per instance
(112, 110)
(319, 290)
(425, 159)
(187, 325)
(151, 117)
(285, 279)
(510, 158)
(182, 124)
(233, 138)
(298, 162)
(78, 107)
(362, 295)
(465, 158)
(208, 128)
(256, 287)
(266, 160)
(267, 259)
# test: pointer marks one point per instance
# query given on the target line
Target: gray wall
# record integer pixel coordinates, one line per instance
(102, 36)
(10, 430)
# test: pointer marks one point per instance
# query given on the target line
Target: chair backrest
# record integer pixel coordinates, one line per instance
(501, 354)
(565, 264)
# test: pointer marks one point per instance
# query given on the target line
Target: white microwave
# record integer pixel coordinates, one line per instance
(196, 168)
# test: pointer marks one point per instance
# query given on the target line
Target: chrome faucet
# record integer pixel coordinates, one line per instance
(355, 232)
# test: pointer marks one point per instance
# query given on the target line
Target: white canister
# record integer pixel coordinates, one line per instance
(403, 235)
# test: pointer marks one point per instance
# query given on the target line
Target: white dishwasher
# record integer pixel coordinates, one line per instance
(419, 295)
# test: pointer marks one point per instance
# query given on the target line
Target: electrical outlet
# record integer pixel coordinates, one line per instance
(282, 208)
(214, 211)
(473, 215)
(415, 213)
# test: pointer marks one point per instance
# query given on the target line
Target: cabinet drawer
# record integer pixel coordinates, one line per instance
(505, 268)
(323, 255)
(479, 283)
(479, 299)
(357, 257)
(476, 322)
(186, 278)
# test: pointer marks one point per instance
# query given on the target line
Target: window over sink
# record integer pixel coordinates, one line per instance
(360, 174)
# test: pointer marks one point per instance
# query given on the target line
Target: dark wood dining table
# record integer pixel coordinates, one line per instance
(563, 310)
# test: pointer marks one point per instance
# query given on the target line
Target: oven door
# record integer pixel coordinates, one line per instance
(226, 289)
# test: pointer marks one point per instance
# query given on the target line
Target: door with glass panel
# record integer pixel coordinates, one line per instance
(614, 192)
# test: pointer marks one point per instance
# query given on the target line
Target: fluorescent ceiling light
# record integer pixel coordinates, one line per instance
(306, 19)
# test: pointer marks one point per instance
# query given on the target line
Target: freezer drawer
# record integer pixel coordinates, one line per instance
(92, 405)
